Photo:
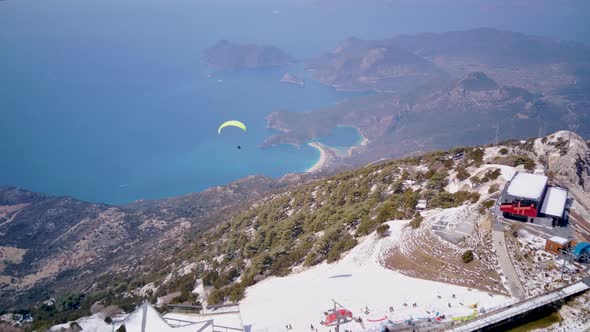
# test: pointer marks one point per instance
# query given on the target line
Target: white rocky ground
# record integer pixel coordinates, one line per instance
(94, 323)
(539, 270)
(357, 281)
(567, 156)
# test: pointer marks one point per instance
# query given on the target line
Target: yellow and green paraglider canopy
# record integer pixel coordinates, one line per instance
(233, 123)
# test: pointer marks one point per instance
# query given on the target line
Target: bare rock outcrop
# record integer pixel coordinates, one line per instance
(567, 156)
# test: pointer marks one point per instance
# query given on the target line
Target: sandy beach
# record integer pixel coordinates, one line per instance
(323, 157)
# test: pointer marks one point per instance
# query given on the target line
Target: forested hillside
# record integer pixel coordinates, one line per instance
(322, 220)
(297, 226)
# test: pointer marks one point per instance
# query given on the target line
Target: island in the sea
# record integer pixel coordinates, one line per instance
(227, 55)
(292, 79)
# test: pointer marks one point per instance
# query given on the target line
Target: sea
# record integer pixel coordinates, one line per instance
(108, 101)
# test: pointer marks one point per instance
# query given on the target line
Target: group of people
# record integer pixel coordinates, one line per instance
(367, 311)
(414, 305)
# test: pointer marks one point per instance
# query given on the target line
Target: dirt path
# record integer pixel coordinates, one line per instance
(499, 244)
(5, 210)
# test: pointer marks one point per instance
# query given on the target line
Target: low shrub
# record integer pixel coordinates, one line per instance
(417, 221)
(462, 173)
(446, 200)
(486, 205)
(493, 175)
(493, 188)
(467, 256)
(382, 230)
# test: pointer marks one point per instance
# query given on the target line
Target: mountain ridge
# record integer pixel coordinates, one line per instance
(65, 238)
(476, 83)
(536, 63)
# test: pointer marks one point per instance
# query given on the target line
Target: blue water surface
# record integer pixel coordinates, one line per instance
(342, 137)
(108, 101)
(116, 106)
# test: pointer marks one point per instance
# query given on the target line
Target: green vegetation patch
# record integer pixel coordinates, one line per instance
(446, 200)
(467, 256)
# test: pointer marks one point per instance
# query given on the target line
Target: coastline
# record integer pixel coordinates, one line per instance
(328, 154)
(321, 161)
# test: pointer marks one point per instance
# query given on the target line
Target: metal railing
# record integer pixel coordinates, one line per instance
(422, 326)
(205, 310)
(221, 328)
(182, 322)
(524, 309)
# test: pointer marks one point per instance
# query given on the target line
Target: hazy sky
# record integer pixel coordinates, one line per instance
(557, 18)
(316, 23)
(567, 19)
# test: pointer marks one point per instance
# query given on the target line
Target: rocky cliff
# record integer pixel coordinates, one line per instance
(566, 155)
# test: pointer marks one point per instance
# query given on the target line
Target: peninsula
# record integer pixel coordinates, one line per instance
(292, 79)
(322, 161)
(227, 55)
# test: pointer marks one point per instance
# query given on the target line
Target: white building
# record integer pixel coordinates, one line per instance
(527, 186)
(554, 202)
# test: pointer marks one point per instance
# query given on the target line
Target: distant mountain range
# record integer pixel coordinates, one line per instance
(435, 91)
(534, 63)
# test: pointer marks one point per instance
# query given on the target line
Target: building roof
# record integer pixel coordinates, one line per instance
(559, 240)
(581, 248)
(526, 185)
(554, 202)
